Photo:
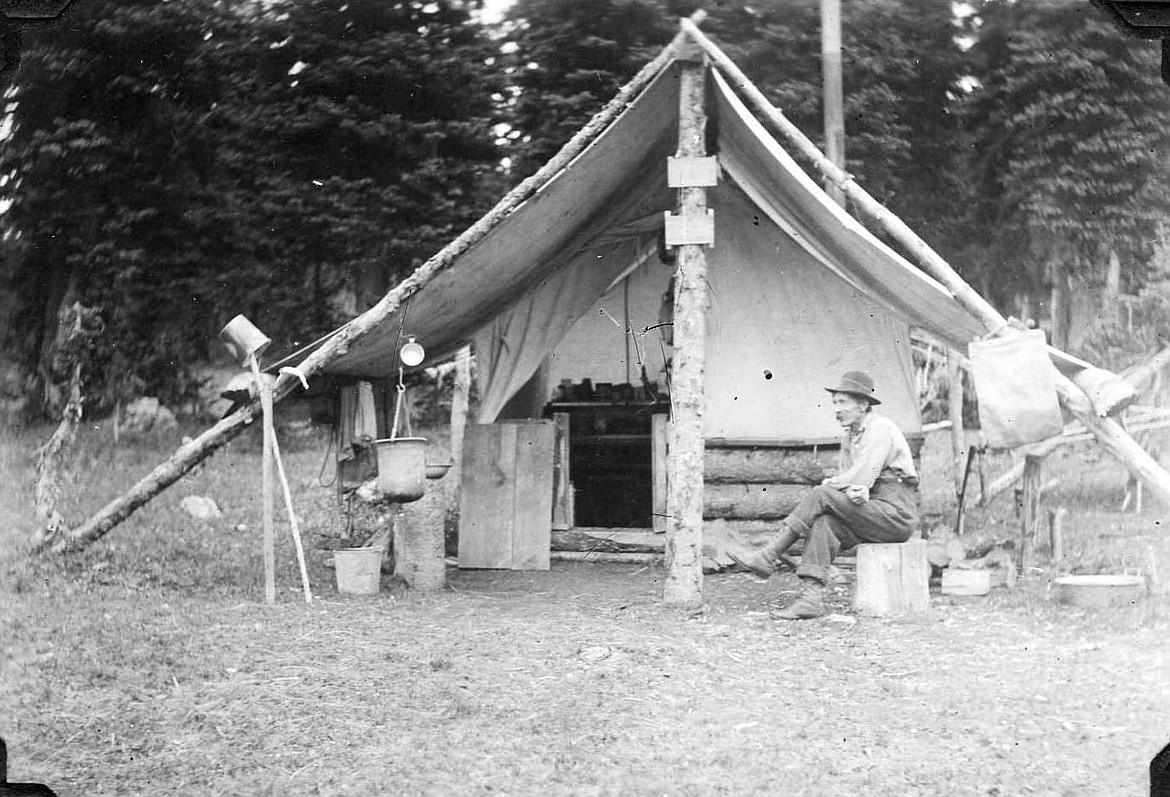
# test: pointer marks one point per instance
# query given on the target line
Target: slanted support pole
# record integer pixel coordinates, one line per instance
(684, 528)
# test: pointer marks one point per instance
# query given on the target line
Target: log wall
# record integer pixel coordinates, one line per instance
(761, 483)
(758, 483)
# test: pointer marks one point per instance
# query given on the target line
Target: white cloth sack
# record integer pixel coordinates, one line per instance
(1013, 381)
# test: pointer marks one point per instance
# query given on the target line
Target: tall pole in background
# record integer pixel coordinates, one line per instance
(834, 99)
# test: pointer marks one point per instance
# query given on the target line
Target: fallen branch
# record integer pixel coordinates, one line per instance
(48, 488)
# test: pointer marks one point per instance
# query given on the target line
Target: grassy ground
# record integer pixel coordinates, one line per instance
(149, 665)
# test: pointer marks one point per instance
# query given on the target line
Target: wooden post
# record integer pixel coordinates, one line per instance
(833, 92)
(562, 474)
(1030, 509)
(659, 459)
(684, 529)
(460, 402)
(1056, 534)
(265, 390)
(419, 555)
(955, 404)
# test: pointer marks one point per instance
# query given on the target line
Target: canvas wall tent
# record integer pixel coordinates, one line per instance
(562, 289)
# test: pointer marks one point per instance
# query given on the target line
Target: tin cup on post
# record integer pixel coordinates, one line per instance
(243, 339)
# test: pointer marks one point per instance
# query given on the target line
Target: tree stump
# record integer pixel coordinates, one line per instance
(892, 578)
(419, 555)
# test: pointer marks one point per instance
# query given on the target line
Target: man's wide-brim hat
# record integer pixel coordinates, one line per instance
(856, 383)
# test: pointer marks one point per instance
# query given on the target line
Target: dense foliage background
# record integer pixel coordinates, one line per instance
(175, 163)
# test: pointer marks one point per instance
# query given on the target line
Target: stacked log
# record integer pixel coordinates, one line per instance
(758, 486)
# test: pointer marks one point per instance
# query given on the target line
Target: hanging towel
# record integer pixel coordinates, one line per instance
(365, 424)
(347, 400)
(1013, 382)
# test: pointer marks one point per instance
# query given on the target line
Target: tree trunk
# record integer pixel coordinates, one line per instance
(1059, 312)
(684, 529)
(460, 395)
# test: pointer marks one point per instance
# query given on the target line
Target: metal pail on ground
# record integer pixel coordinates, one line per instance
(1099, 591)
(359, 570)
(402, 468)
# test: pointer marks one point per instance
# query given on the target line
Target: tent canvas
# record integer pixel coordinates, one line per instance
(800, 290)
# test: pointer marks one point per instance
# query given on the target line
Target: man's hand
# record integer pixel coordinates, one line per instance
(834, 482)
(857, 493)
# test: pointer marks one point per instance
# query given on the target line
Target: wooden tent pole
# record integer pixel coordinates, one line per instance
(1108, 432)
(294, 526)
(191, 454)
(265, 391)
(684, 528)
(834, 102)
(460, 402)
(959, 465)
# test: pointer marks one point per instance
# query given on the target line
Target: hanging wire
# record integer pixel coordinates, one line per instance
(334, 441)
(398, 401)
(401, 327)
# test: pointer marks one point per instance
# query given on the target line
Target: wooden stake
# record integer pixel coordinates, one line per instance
(294, 526)
(1056, 533)
(1030, 511)
(959, 462)
(460, 402)
(684, 530)
(266, 403)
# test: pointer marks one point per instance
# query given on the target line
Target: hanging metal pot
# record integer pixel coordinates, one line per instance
(402, 468)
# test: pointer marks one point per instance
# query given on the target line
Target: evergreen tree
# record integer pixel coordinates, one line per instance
(107, 168)
(1069, 130)
(176, 163)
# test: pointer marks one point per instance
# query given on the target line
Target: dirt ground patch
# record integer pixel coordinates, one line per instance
(147, 665)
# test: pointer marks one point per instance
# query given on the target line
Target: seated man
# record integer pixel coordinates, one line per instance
(873, 498)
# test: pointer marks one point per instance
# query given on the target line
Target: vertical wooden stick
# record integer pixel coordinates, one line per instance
(955, 404)
(659, 431)
(266, 402)
(460, 396)
(1056, 533)
(684, 529)
(1030, 511)
(833, 92)
(294, 527)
